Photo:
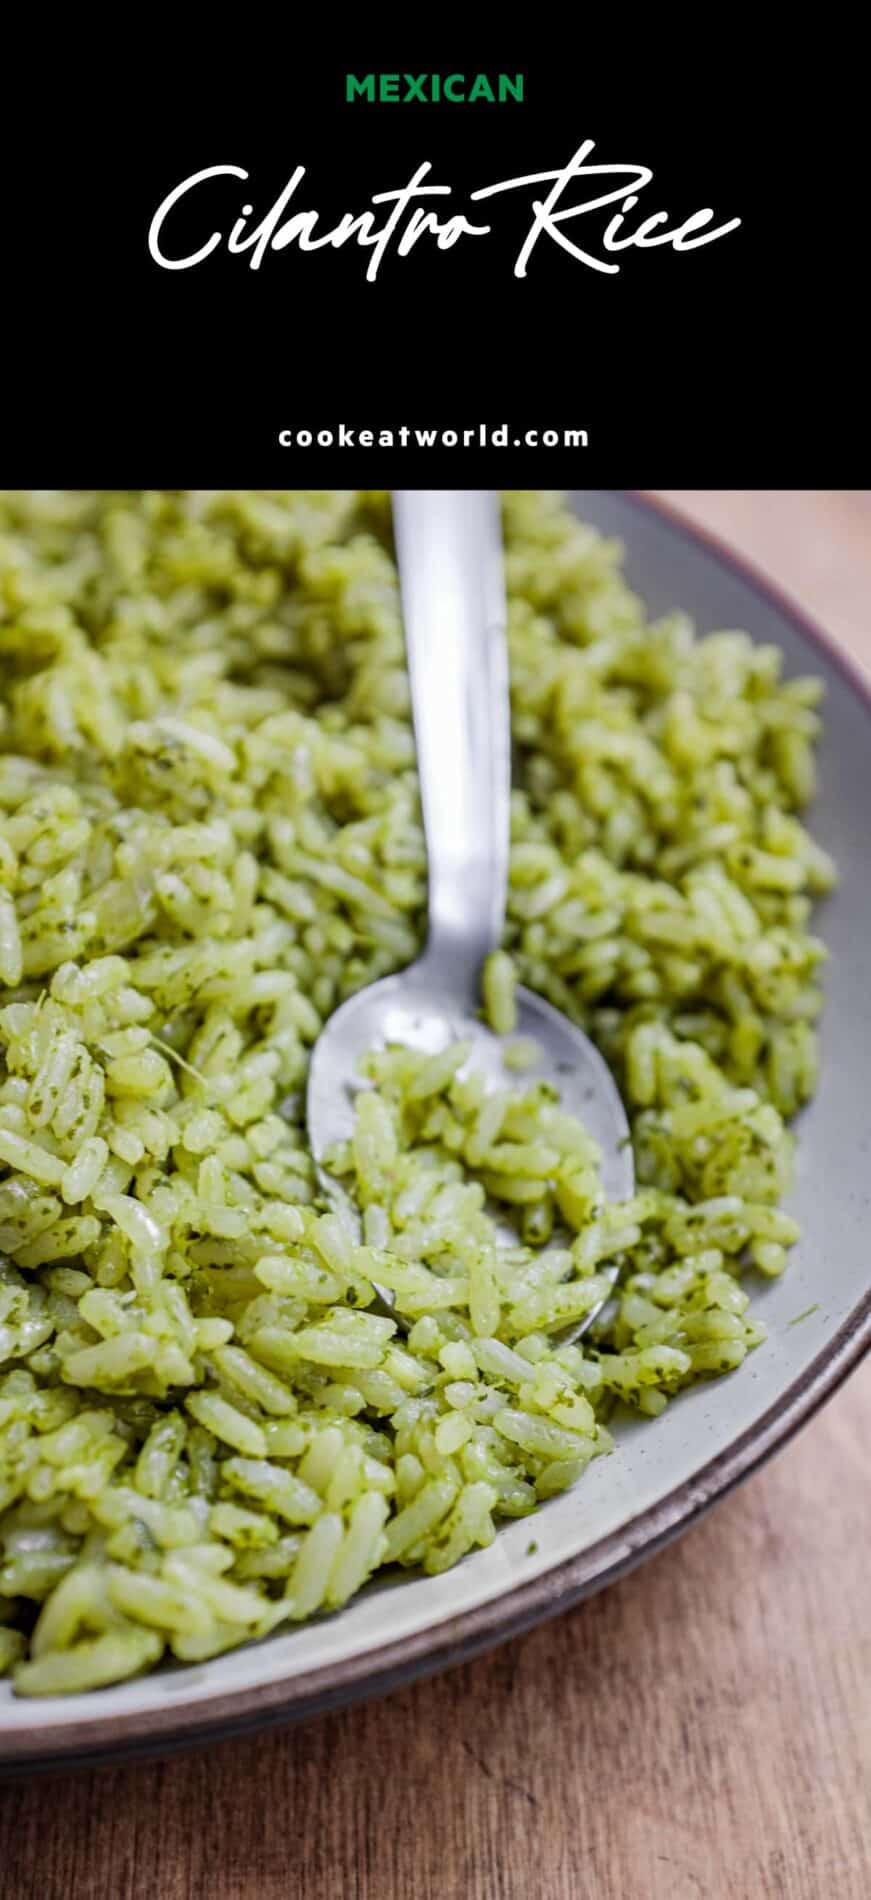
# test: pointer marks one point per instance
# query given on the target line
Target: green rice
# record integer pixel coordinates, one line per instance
(209, 835)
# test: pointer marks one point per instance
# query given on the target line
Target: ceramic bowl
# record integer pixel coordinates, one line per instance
(664, 1474)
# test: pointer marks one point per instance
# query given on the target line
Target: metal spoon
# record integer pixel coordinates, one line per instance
(449, 550)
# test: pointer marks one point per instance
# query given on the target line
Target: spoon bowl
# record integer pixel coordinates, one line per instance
(414, 1010)
(410, 1009)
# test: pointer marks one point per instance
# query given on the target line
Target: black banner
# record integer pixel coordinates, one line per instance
(320, 270)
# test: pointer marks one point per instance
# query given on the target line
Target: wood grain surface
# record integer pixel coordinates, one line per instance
(701, 1731)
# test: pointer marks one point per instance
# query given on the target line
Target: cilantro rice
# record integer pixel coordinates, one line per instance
(209, 835)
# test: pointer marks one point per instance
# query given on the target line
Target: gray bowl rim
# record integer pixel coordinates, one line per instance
(458, 1638)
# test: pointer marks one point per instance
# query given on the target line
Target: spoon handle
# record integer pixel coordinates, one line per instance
(449, 549)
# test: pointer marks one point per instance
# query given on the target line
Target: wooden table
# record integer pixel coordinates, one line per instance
(701, 1729)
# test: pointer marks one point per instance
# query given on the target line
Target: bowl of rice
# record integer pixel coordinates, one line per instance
(233, 1486)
